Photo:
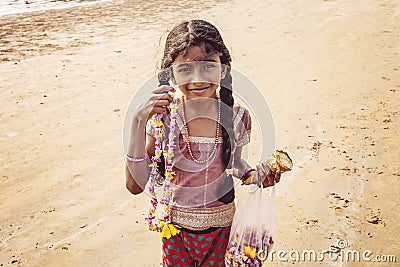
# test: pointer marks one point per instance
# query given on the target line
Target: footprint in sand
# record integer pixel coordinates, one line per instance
(374, 217)
(311, 223)
(338, 203)
(316, 148)
(348, 170)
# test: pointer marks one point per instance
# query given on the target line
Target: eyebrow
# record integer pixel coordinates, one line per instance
(189, 63)
(183, 64)
(209, 60)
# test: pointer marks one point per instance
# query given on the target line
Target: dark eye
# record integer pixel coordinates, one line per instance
(209, 65)
(184, 69)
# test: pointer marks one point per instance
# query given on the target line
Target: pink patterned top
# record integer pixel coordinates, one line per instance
(201, 185)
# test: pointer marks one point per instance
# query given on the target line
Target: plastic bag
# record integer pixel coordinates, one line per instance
(251, 236)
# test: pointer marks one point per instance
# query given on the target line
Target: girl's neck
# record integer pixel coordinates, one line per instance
(200, 103)
(204, 107)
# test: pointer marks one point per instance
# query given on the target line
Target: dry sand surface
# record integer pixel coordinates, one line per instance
(330, 71)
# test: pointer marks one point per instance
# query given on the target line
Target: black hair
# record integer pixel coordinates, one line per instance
(179, 40)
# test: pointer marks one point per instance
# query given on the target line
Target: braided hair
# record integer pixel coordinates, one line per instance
(179, 40)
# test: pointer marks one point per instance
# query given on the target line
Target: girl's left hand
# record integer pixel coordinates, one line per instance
(265, 176)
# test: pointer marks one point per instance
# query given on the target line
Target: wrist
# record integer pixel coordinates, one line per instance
(140, 119)
(135, 160)
(247, 176)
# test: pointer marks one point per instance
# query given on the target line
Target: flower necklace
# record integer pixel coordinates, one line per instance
(164, 226)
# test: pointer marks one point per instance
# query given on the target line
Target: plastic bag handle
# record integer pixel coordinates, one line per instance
(254, 188)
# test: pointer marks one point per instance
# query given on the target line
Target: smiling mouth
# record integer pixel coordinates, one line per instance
(199, 89)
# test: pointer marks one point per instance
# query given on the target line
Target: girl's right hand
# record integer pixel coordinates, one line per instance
(157, 102)
(263, 176)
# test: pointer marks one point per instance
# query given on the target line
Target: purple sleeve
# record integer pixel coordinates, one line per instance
(242, 126)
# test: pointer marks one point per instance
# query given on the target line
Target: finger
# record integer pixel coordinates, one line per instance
(161, 100)
(163, 96)
(265, 183)
(260, 175)
(265, 167)
(277, 176)
(163, 89)
(159, 109)
(266, 171)
(271, 174)
(262, 169)
(162, 103)
(255, 178)
(169, 98)
(270, 177)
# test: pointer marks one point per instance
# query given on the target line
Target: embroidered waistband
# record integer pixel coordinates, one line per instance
(198, 219)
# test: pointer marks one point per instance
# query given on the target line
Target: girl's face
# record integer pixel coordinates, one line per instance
(197, 73)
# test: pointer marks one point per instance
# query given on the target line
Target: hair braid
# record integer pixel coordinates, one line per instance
(227, 133)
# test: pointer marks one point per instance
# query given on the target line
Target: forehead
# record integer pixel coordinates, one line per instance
(196, 53)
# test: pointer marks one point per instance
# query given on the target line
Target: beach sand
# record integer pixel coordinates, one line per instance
(330, 71)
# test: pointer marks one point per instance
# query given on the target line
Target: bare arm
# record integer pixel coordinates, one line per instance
(239, 164)
(140, 143)
(137, 173)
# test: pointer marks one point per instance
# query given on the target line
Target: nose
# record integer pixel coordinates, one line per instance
(197, 77)
(197, 84)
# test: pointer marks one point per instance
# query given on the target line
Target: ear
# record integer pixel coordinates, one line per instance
(223, 72)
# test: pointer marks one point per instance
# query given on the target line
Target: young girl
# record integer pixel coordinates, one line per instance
(209, 138)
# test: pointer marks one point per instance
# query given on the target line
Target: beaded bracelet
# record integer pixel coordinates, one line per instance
(246, 173)
(130, 159)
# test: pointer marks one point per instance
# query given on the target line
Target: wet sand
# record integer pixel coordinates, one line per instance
(329, 70)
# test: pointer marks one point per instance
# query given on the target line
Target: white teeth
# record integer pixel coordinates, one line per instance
(203, 89)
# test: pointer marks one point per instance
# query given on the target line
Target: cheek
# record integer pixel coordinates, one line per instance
(216, 78)
(214, 87)
(183, 88)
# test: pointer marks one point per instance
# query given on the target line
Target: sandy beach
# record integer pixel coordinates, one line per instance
(330, 71)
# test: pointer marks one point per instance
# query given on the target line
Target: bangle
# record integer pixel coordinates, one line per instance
(245, 174)
(130, 159)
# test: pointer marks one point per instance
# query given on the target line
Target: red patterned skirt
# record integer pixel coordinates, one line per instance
(196, 248)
